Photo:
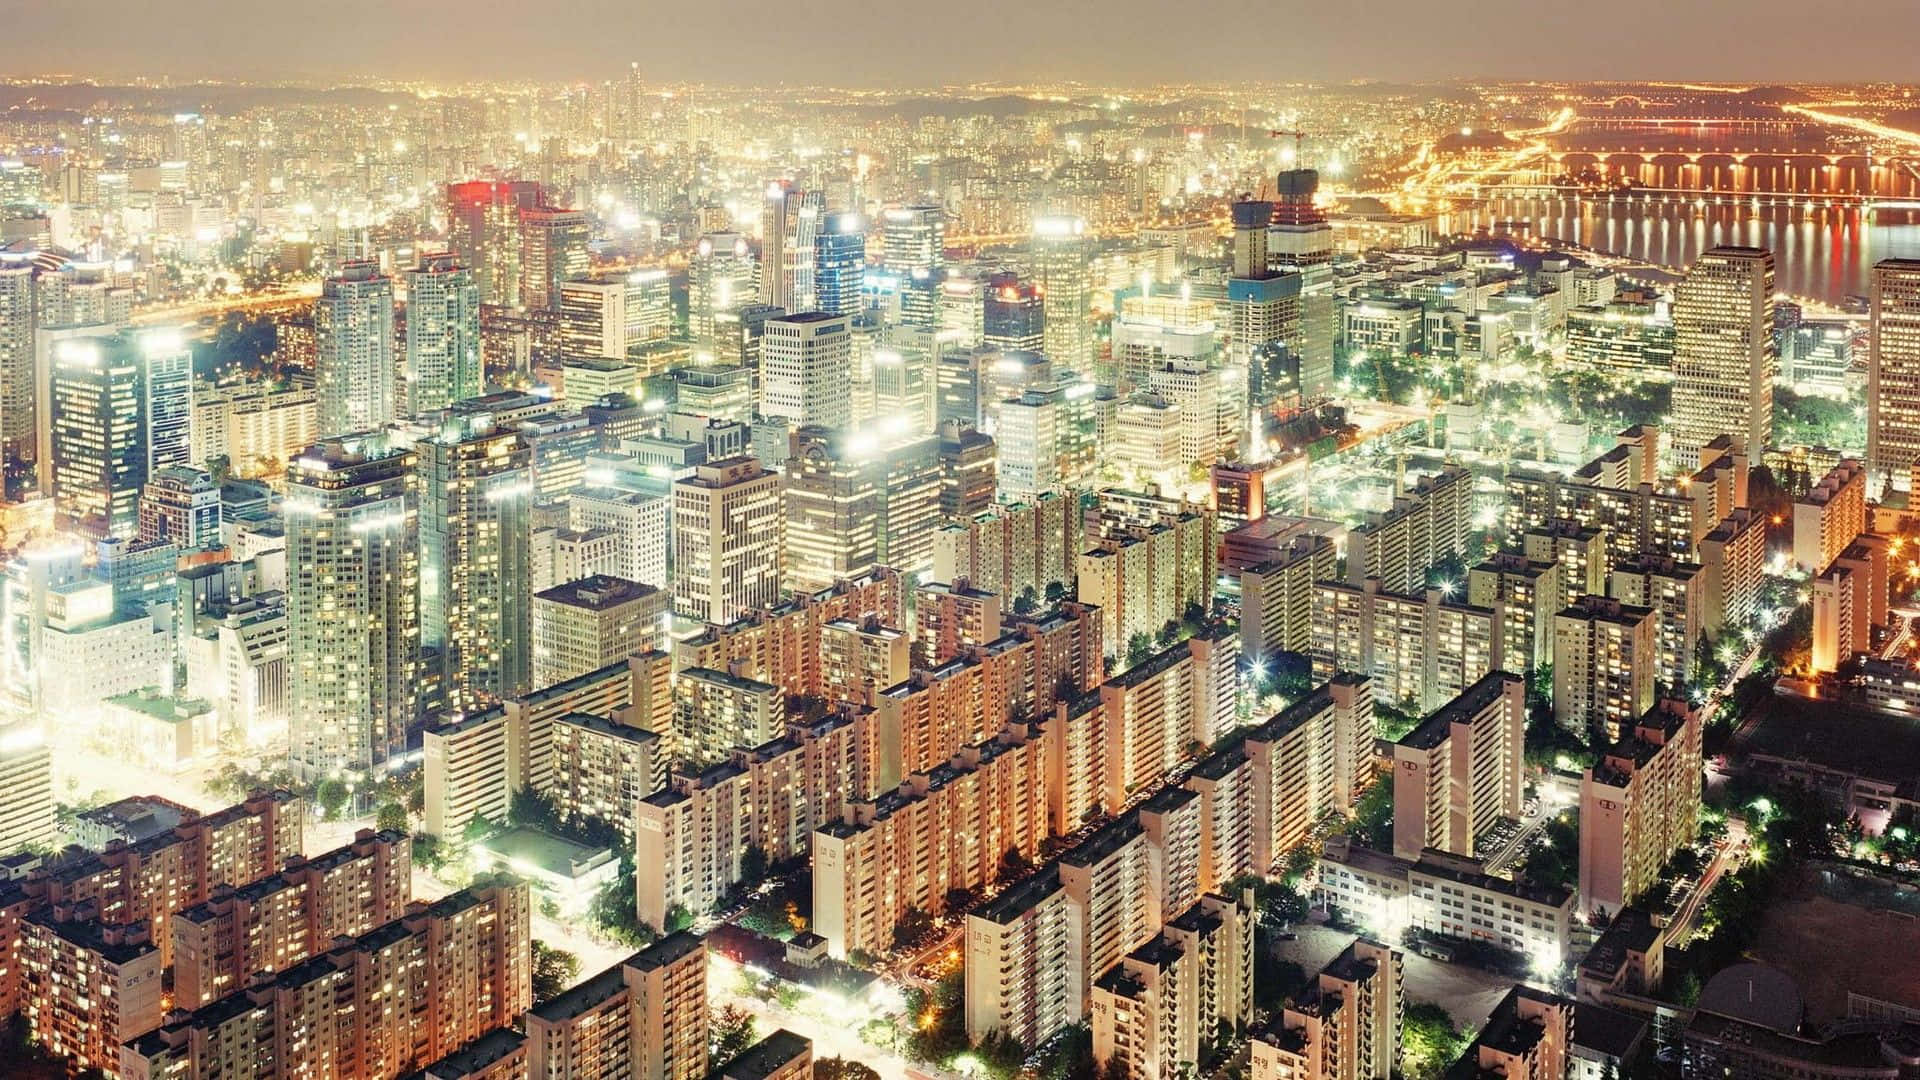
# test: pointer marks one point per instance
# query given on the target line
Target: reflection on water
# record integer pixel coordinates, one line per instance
(1825, 254)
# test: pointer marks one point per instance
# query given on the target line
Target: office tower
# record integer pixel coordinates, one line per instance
(17, 398)
(1459, 773)
(99, 458)
(640, 518)
(832, 509)
(166, 388)
(180, 505)
(1300, 241)
(553, 249)
(1061, 253)
(727, 540)
(476, 499)
(809, 218)
(483, 229)
(26, 775)
(1345, 1025)
(1893, 373)
(804, 367)
(645, 1018)
(353, 350)
(443, 335)
(602, 319)
(1013, 314)
(967, 468)
(353, 603)
(585, 625)
(1639, 803)
(914, 239)
(719, 283)
(1724, 356)
(777, 218)
(840, 264)
(1605, 661)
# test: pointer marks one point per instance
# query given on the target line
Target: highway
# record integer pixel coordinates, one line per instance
(181, 314)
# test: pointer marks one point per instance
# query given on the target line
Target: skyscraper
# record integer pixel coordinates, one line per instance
(805, 369)
(353, 350)
(914, 238)
(121, 411)
(353, 601)
(726, 540)
(832, 509)
(443, 335)
(1300, 241)
(1060, 252)
(840, 264)
(17, 417)
(1013, 314)
(719, 284)
(483, 229)
(1893, 374)
(553, 249)
(476, 498)
(1724, 358)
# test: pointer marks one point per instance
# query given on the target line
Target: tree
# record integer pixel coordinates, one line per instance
(1056, 592)
(1170, 633)
(834, 1068)
(1429, 1041)
(531, 809)
(1139, 647)
(553, 971)
(730, 1033)
(391, 816)
(912, 925)
(1026, 602)
(332, 796)
(753, 864)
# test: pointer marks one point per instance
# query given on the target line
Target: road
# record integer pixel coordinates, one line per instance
(1727, 860)
(1901, 636)
(833, 1026)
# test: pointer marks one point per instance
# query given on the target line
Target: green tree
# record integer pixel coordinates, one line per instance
(1056, 592)
(331, 795)
(1026, 602)
(753, 865)
(553, 971)
(835, 1068)
(1429, 1042)
(730, 1032)
(913, 923)
(391, 815)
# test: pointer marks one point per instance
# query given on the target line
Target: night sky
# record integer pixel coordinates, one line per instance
(913, 43)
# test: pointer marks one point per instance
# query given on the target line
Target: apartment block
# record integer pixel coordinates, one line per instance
(780, 644)
(1276, 597)
(1676, 592)
(1461, 770)
(1311, 758)
(782, 1055)
(1162, 1005)
(1733, 556)
(1013, 548)
(498, 1055)
(1604, 665)
(1829, 516)
(950, 617)
(377, 1006)
(1849, 599)
(716, 711)
(274, 923)
(692, 835)
(1529, 593)
(86, 988)
(645, 1018)
(1021, 976)
(1639, 803)
(1143, 576)
(1344, 1025)
(1420, 651)
(1581, 551)
(859, 658)
(1422, 527)
(1158, 709)
(1528, 1037)
(948, 828)
(602, 767)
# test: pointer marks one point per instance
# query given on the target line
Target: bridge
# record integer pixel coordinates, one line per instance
(1867, 204)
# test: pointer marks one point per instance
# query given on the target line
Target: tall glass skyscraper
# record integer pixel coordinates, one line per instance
(840, 264)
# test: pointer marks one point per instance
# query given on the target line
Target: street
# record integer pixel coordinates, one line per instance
(1726, 860)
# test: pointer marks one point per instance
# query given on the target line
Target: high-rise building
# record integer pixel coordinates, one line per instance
(805, 369)
(1639, 803)
(475, 529)
(645, 1018)
(1459, 773)
(1159, 1007)
(832, 509)
(777, 219)
(1345, 1025)
(1062, 254)
(840, 264)
(1724, 358)
(483, 229)
(353, 350)
(180, 505)
(1605, 661)
(553, 249)
(443, 335)
(641, 519)
(727, 540)
(1300, 241)
(17, 399)
(1013, 314)
(1893, 373)
(99, 460)
(720, 281)
(353, 601)
(26, 814)
(914, 238)
(585, 625)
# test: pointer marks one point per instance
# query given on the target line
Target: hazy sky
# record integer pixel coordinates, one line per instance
(913, 43)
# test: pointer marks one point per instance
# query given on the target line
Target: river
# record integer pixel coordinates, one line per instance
(1824, 254)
